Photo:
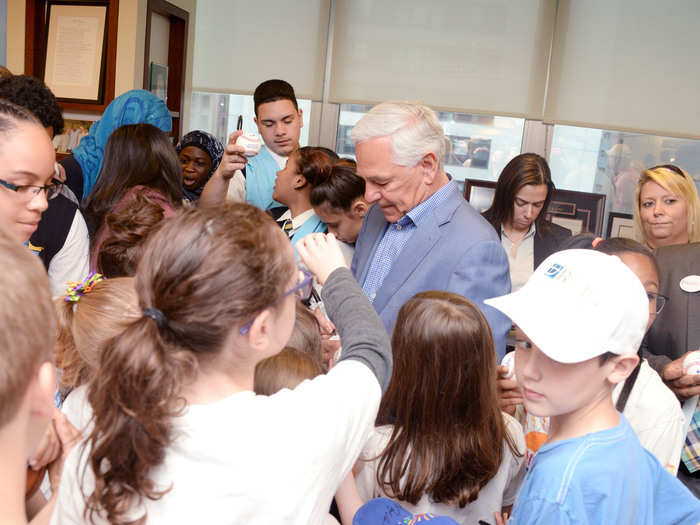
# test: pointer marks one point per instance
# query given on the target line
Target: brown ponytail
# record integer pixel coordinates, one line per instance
(204, 273)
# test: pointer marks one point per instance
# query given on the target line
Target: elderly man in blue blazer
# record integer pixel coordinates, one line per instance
(420, 234)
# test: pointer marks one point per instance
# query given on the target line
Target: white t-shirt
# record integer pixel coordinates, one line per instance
(655, 414)
(253, 459)
(72, 262)
(499, 492)
(77, 409)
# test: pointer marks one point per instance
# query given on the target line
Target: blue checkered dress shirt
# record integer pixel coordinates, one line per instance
(395, 237)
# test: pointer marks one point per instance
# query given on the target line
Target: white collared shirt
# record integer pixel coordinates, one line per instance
(296, 221)
(521, 257)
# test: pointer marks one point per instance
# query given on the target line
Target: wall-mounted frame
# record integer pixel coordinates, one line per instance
(76, 50)
(620, 225)
(36, 33)
(158, 82)
(177, 57)
(576, 210)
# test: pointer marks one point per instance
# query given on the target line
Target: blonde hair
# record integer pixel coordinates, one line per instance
(86, 325)
(678, 182)
(27, 323)
(284, 370)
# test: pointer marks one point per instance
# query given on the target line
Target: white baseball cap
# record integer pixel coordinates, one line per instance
(579, 304)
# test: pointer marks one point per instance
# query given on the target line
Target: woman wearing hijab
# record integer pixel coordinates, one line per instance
(199, 154)
(136, 106)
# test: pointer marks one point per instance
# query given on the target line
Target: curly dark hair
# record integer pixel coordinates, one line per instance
(32, 94)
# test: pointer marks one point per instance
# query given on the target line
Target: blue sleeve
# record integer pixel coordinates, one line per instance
(539, 511)
(483, 273)
(673, 502)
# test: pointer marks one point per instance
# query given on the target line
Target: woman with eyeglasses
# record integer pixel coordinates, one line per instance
(179, 435)
(667, 207)
(27, 171)
(648, 404)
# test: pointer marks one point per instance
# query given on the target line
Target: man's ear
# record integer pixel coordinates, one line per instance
(301, 118)
(621, 367)
(429, 165)
(359, 207)
(42, 391)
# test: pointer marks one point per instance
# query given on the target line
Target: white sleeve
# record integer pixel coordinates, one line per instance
(516, 470)
(236, 188)
(69, 503)
(72, 262)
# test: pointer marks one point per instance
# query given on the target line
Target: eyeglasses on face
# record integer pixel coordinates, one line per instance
(302, 291)
(28, 191)
(657, 300)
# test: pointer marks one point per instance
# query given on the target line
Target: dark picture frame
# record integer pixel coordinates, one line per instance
(89, 10)
(576, 210)
(620, 225)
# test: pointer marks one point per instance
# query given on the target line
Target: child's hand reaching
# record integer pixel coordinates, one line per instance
(321, 254)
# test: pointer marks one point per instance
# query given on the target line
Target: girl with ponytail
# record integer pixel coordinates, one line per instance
(178, 434)
(90, 314)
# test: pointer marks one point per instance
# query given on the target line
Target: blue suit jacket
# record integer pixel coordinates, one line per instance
(454, 250)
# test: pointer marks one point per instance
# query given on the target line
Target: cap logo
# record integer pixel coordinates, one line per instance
(553, 271)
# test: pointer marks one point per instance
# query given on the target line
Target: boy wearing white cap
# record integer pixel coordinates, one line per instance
(580, 319)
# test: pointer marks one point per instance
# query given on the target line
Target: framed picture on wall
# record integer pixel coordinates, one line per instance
(620, 225)
(576, 210)
(479, 193)
(158, 83)
(76, 45)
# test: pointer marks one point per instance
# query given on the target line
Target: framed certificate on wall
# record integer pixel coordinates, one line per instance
(76, 45)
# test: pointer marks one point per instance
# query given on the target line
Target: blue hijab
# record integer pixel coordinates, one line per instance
(133, 107)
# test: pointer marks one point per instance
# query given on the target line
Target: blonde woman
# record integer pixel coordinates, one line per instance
(667, 207)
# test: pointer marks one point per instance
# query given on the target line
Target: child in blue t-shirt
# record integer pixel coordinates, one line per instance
(580, 319)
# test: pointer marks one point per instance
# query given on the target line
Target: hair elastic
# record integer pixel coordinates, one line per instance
(76, 289)
(156, 315)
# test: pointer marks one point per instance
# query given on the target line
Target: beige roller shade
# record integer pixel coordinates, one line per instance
(239, 44)
(478, 56)
(632, 65)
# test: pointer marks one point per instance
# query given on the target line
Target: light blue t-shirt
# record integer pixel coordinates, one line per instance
(261, 173)
(603, 477)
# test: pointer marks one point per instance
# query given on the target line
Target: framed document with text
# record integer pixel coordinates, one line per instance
(76, 46)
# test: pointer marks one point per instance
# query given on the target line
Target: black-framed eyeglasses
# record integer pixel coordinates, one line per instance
(657, 300)
(302, 291)
(29, 191)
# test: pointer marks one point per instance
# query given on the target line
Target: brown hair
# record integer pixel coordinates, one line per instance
(315, 163)
(129, 227)
(27, 323)
(306, 336)
(341, 188)
(448, 432)
(284, 370)
(203, 274)
(86, 325)
(527, 168)
(135, 155)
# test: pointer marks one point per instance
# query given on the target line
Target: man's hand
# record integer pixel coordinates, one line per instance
(509, 395)
(683, 385)
(233, 159)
